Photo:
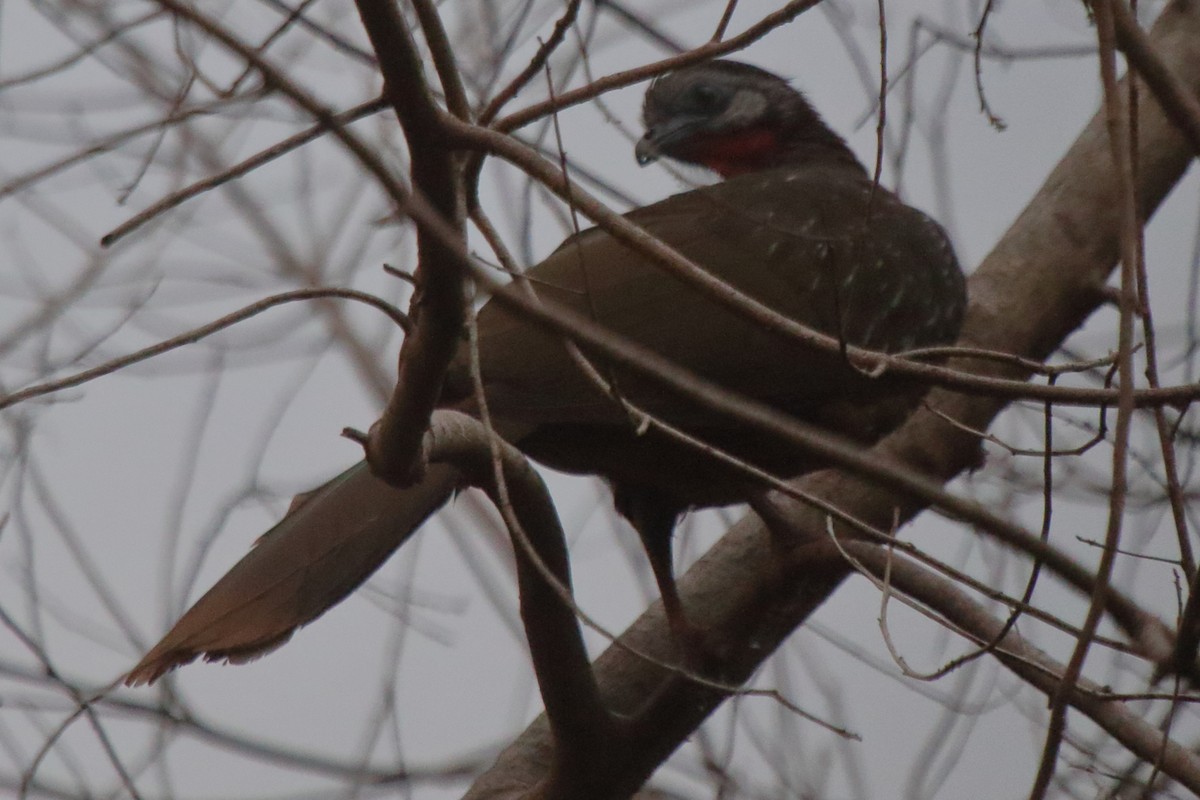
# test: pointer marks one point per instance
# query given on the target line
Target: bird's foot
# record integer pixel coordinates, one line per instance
(697, 654)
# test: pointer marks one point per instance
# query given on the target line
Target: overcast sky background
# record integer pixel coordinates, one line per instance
(164, 474)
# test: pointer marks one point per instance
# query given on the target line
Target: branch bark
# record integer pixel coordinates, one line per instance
(580, 723)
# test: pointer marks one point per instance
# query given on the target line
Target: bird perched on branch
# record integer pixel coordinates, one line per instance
(796, 224)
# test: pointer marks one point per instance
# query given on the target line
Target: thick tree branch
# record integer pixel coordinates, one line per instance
(580, 724)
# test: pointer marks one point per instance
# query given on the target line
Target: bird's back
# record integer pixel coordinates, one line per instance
(814, 243)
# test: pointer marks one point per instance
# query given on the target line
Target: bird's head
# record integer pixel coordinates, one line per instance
(733, 118)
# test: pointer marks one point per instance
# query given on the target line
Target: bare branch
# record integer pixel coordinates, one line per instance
(439, 304)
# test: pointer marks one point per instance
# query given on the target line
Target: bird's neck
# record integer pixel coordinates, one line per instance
(758, 149)
(819, 152)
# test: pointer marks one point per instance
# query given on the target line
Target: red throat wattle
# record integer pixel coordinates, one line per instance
(737, 153)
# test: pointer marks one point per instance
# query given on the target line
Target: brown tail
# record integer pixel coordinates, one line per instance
(319, 553)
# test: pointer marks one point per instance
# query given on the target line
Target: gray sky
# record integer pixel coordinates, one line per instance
(147, 472)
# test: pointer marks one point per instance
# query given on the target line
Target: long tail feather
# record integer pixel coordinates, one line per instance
(319, 553)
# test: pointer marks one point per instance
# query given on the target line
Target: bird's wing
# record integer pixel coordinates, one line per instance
(791, 239)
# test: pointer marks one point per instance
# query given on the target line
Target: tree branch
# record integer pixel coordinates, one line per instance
(1026, 661)
(439, 304)
(581, 725)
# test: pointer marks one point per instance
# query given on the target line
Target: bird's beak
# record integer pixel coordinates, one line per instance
(659, 139)
(646, 151)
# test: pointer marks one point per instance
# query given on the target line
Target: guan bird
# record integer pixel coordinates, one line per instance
(796, 223)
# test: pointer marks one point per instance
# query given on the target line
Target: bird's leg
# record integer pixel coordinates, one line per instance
(654, 521)
(656, 541)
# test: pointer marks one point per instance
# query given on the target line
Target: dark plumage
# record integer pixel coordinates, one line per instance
(797, 225)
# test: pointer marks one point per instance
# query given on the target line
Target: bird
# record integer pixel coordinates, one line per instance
(795, 221)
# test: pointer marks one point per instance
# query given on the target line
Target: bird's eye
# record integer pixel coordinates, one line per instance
(705, 97)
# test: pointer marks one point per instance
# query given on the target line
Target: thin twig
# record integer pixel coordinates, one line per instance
(545, 49)
(197, 334)
(620, 79)
(240, 169)
(1118, 116)
(995, 121)
(723, 23)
